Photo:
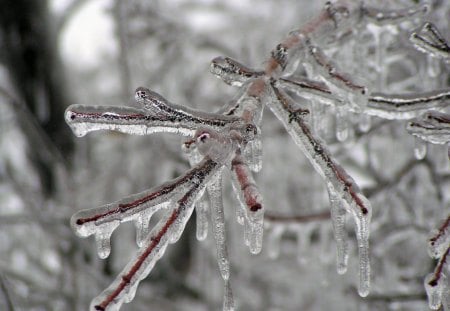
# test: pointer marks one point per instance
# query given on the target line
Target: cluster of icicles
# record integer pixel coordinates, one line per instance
(231, 140)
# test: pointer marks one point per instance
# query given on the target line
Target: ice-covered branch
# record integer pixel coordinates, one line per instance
(340, 184)
(406, 106)
(157, 115)
(429, 40)
(436, 283)
(433, 127)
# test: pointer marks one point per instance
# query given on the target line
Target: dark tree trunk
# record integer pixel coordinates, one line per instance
(28, 50)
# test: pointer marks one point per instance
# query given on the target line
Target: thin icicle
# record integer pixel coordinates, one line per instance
(253, 153)
(362, 236)
(228, 299)
(251, 200)
(142, 223)
(364, 123)
(103, 238)
(420, 148)
(218, 226)
(201, 211)
(338, 221)
(342, 124)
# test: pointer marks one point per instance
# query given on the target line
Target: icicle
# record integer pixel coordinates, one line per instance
(247, 232)
(251, 200)
(338, 221)
(218, 225)
(240, 212)
(274, 240)
(364, 123)
(253, 154)
(256, 233)
(142, 223)
(362, 236)
(342, 126)
(434, 289)
(102, 238)
(228, 299)
(420, 148)
(201, 210)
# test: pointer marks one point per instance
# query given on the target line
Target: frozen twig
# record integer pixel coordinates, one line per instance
(429, 40)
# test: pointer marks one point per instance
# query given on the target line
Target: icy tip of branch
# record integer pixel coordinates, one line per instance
(232, 72)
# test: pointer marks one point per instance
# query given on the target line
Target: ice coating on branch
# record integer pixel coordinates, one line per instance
(167, 230)
(232, 72)
(309, 89)
(406, 106)
(218, 226)
(340, 235)
(217, 146)
(440, 240)
(429, 40)
(251, 201)
(335, 176)
(433, 127)
(202, 205)
(351, 92)
(434, 290)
